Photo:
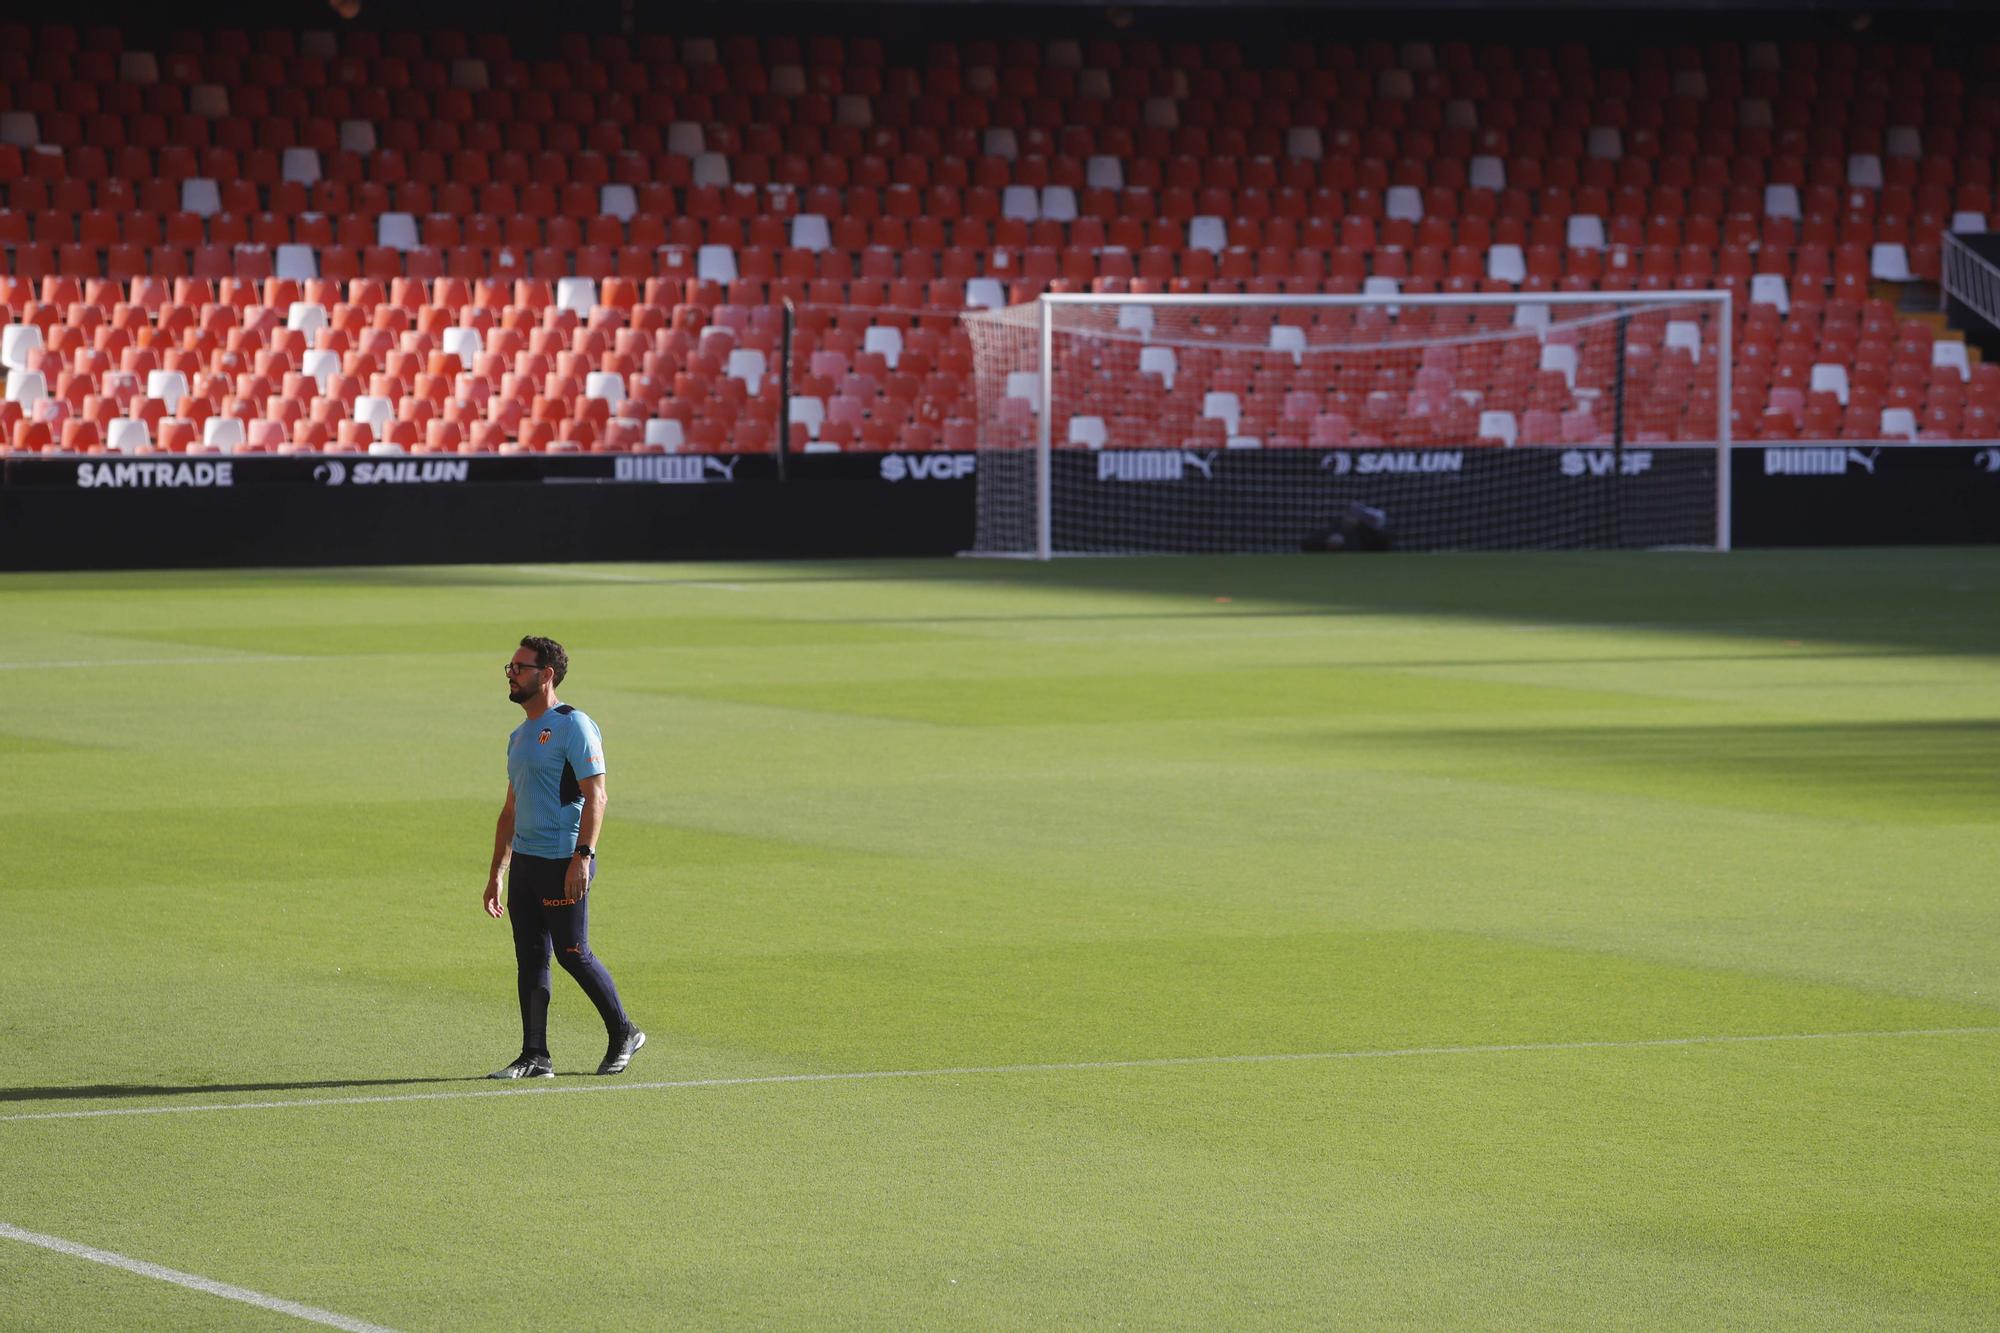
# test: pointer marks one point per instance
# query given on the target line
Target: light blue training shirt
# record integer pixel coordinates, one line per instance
(547, 758)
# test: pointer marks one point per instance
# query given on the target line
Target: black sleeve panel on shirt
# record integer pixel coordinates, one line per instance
(571, 792)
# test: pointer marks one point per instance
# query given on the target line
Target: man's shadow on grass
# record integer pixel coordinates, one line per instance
(89, 1092)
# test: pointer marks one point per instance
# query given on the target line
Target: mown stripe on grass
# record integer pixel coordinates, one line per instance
(964, 1071)
(91, 663)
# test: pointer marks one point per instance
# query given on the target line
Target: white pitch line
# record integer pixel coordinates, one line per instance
(193, 1281)
(963, 1071)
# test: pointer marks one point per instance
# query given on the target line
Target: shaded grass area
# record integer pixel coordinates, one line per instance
(1907, 770)
(1935, 599)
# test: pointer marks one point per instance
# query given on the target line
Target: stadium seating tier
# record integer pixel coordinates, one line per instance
(410, 242)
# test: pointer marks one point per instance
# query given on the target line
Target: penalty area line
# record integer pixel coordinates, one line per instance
(192, 1281)
(967, 1071)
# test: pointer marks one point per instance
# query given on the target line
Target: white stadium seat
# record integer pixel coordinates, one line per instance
(887, 341)
(1771, 289)
(1889, 262)
(1022, 202)
(1506, 263)
(307, 317)
(463, 343)
(716, 263)
(1289, 338)
(374, 411)
(1087, 431)
(126, 435)
(170, 386)
(396, 231)
(1684, 334)
(1025, 384)
(223, 433)
(297, 262)
(810, 232)
(1499, 426)
(985, 292)
(618, 201)
(201, 196)
(26, 387)
(1159, 361)
(1207, 232)
(746, 364)
(301, 165)
(319, 363)
(16, 341)
(1058, 203)
(578, 294)
(809, 412)
(1560, 356)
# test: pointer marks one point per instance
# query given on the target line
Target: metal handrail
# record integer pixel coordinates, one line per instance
(1971, 279)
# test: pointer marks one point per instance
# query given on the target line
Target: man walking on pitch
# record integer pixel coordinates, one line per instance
(548, 832)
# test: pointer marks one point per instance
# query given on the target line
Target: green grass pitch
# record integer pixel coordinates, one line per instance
(1523, 855)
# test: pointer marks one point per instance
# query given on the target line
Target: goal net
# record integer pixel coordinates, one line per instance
(1182, 423)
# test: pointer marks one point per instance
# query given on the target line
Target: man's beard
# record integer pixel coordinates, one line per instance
(515, 694)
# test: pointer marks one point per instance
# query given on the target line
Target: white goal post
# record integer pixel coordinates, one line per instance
(1183, 423)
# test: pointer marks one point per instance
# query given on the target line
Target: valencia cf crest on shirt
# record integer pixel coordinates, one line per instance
(543, 738)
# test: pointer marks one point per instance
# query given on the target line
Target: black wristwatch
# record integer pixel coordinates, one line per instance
(585, 849)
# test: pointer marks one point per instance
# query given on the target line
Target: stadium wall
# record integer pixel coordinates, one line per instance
(213, 511)
(209, 511)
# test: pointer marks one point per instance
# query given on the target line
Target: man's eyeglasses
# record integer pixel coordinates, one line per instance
(516, 668)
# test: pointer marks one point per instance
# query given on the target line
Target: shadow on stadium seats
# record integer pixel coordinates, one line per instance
(93, 1091)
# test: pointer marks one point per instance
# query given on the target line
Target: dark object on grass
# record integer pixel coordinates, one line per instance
(1358, 527)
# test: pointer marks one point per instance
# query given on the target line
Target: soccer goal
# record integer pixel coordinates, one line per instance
(1135, 424)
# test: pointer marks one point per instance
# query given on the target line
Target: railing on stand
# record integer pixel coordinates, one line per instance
(1971, 279)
